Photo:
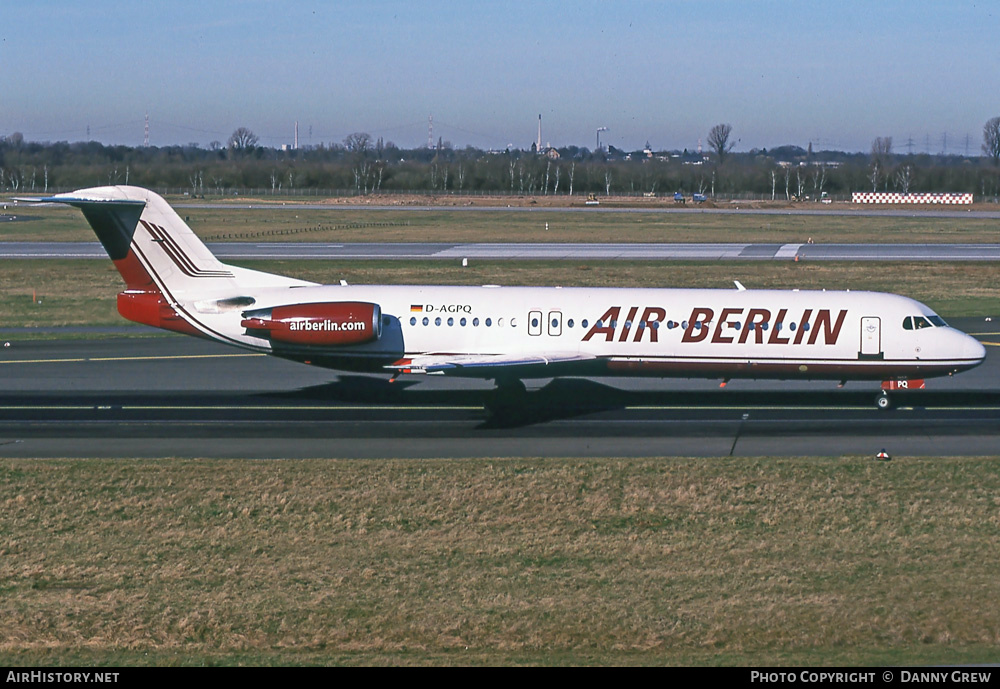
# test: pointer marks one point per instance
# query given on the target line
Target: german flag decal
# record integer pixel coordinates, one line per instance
(416, 308)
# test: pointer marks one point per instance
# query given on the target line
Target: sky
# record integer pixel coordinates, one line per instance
(779, 71)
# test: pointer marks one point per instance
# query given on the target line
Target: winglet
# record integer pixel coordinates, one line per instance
(739, 286)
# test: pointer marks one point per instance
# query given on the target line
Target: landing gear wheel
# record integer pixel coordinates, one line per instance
(883, 401)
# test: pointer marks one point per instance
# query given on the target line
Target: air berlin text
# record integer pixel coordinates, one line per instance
(733, 326)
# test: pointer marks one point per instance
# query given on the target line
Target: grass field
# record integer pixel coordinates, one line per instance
(441, 225)
(840, 561)
(82, 292)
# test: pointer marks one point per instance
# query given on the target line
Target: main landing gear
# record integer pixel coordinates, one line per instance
(883, 401)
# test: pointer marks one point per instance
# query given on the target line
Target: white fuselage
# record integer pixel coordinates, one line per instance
(659, 332)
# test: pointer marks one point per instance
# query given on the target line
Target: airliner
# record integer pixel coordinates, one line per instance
(510, 334)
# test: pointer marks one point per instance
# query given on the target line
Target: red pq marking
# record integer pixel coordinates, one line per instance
(915, 384)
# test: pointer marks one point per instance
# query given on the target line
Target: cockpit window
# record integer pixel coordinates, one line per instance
(919, 322)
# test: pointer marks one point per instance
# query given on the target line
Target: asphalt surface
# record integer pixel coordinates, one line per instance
(696, 209)
(173, 396)
(542, 251)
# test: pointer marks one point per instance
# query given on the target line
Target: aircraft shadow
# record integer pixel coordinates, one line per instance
(562, 398)
(566, 398)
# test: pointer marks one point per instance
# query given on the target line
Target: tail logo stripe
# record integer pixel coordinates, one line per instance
(177, 255)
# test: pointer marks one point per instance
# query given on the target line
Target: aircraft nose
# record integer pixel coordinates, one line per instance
(974, 349)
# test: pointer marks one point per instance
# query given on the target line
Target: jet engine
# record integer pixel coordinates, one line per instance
(321, 324)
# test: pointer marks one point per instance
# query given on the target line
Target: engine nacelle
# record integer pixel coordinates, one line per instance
(321, 324)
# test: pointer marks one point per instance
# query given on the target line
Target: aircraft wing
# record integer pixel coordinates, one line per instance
(477, 364)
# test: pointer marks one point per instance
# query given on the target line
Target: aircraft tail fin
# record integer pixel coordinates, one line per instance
(154, 249)
(163, 262)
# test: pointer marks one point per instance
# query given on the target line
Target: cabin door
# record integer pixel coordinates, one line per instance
(871, 336)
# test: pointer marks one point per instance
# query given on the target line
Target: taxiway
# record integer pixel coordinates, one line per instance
(172, 396)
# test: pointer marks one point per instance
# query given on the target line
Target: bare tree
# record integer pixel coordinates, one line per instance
(881, 152)
(991, 140)
(197, 179)
(358, 142)
(718, 141)
(242, 141)
(819, 178)
(904, 178)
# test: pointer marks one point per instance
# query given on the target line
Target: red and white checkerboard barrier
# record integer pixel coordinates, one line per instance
(887, 197)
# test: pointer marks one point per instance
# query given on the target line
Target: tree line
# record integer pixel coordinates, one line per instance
(362, 164)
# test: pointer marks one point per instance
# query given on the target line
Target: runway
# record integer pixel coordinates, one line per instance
(542, 251)
(495, 204)
(172, 396)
